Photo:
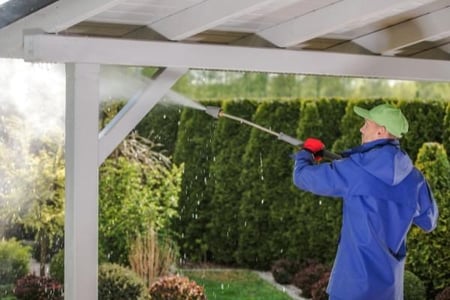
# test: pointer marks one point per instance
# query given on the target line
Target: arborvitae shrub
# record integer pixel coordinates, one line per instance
(308, 276)
(32, 287)
(14, 261)
(331, 112)
(117, 282)
(319, 289)
(446, 134)
(425, 124)
(229, 143)
(414, 289)
(283, 270)
(161, 125)
(428, 255)
(267, 208)
(194, 149)
(176, 288)
(444, 294)
(57, 266)
(320, 217)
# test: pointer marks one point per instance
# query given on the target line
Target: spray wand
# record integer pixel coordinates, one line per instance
(216, 112)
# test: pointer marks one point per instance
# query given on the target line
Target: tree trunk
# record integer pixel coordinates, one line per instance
(42, 258)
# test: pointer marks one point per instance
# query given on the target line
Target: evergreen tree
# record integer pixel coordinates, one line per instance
(194, 150)
(425, 124)
(320, 216)
(161, 126)
(266, 177)
(428, 255)
(446, 134)
(230, 140)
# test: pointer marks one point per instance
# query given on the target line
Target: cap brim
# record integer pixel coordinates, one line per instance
(362, 112)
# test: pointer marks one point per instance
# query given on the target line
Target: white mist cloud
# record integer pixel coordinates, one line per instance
(37, 91)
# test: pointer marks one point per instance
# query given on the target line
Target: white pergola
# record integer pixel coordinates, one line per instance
(402, 39)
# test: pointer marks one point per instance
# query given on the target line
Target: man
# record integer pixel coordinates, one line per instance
(383, 195)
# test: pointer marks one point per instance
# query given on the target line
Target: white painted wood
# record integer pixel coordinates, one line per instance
(203, 16)
(135, 109)
(81, 208)
(215, 57)
(52, 18)
(332, 18)
(429, 27)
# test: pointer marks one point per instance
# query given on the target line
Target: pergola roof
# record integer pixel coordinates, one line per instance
(403, 39)
(400, 39)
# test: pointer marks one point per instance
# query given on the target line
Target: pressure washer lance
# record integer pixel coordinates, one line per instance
(216, 112)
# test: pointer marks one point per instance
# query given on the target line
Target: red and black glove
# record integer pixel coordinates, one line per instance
(315, 146)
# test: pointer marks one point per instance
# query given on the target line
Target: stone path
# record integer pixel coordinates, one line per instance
(291, 290)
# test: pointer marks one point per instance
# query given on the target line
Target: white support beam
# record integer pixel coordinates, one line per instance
(214, 57)
(332, 18)
(203, 16)
(81, 208)
(51, 19)
(135, 109)
(429, 27)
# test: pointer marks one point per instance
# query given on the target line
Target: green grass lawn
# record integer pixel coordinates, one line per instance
(235, 285)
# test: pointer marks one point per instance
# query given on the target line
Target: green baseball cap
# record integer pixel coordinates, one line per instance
(385, 115)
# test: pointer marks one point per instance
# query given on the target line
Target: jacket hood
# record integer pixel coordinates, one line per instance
(383, 159)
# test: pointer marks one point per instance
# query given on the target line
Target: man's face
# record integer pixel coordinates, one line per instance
(370, 131)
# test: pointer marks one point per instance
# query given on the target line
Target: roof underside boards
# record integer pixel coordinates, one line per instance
(415, 29)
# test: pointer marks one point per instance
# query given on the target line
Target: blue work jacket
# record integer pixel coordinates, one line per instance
(383, 195)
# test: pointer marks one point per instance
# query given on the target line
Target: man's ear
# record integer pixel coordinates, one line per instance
(383, 131)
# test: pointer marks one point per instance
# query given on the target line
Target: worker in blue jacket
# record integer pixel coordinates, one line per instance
(383, 195)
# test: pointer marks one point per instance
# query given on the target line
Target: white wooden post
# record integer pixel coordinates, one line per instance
(81, 208)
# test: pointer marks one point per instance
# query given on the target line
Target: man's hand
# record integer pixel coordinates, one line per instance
(315, 146)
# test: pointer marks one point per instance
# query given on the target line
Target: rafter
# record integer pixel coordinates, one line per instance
(214, 57)
(429, 27)
(203, 16)
(51, 19)
(330, 19)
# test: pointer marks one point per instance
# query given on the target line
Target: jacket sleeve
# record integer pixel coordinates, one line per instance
(326, 179)
(427, 211)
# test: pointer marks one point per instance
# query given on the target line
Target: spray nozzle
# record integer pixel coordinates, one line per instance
(213, 111)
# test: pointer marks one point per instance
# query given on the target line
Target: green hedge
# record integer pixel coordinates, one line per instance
(238, 204)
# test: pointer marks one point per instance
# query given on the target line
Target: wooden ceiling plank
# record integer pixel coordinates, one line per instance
(203, 16)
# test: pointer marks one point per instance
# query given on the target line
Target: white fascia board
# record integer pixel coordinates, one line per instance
(428, 27)
(63, 49)
(203, 16)
(331, 18)
(135, 109)
(53, 18)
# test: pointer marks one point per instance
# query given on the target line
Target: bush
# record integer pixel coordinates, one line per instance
(57, 266)
(32, 287)
(414, 289)
(117, 282)
(444, 294)
(319, 289)
(14, 261)
(6, 290)
(308, 276)
(283, 270)
(176, 288)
